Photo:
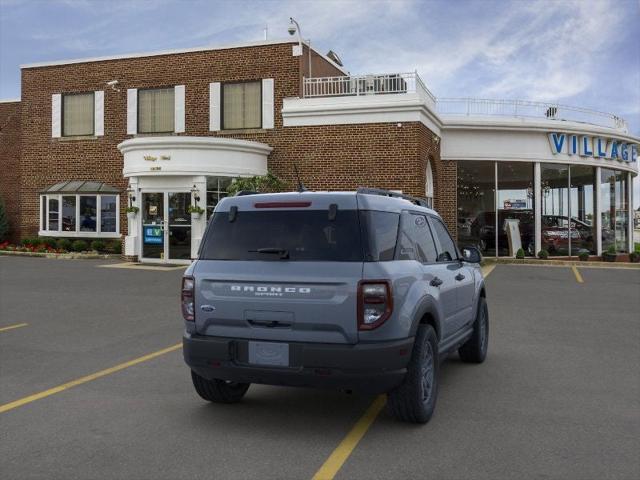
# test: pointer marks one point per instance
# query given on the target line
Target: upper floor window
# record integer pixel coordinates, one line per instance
(156, 110)
(78, 114)
(241, 105)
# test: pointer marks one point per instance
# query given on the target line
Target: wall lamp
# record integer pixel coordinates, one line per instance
(195, 194)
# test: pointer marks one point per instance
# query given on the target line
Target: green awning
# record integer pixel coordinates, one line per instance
(81, 186)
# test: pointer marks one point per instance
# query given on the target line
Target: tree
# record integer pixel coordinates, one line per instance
(4, 222)
(268, 183)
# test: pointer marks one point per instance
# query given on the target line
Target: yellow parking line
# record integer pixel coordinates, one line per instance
(487, 269)
(335, 461)
(577, 274)
(11, 327)
(74, 383)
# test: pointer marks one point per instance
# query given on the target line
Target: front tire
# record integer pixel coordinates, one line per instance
(475, 349)
(415, 399)
(219, 391)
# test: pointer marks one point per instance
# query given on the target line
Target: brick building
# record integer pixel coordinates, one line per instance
(165, 130)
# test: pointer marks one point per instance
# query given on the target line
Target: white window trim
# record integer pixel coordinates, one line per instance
(78, 233)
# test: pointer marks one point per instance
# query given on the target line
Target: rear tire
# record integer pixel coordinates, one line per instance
(219, 391)
(415, 399)
(475, 349)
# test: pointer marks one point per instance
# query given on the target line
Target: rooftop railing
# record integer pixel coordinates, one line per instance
(402, 83)
(528, 109)
(357, 85)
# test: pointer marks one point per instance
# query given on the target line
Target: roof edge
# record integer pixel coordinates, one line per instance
(168, 52)
(10, 100)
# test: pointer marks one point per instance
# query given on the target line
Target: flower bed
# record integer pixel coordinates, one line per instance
(53, 246)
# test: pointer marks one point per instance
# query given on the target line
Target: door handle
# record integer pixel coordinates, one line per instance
(436, 282)
(459, 277)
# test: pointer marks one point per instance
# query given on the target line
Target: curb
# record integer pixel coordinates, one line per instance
(561, 263)
(64, 256)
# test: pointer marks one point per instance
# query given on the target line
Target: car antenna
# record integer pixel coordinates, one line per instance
(301, 187)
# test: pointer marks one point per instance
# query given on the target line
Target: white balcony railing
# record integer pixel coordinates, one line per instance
(403, 83)
(525, 108)
(357, 85)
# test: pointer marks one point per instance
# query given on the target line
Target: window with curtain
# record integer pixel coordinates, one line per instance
(241, 105)
(156, 110)
(77, 114)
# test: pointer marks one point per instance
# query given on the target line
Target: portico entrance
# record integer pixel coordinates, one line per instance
(166, 227)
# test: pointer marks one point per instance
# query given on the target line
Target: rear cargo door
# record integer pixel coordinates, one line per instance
(283, 270)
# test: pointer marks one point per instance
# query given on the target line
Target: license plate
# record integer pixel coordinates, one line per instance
(269, 353)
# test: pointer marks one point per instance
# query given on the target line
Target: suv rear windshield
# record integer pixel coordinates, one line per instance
(304, 235)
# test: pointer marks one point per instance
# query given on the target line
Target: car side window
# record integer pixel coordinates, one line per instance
(415, 241)
(447, 250)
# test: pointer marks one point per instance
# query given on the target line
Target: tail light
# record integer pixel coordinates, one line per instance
(375, 303)
(188, 308)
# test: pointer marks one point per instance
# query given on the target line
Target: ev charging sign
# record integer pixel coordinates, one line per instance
(596, 147)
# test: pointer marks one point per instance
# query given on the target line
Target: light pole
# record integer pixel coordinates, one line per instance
(294, 27)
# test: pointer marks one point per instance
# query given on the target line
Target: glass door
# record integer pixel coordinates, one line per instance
(153, 215)
(179, 243)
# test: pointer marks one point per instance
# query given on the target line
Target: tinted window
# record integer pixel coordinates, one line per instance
(379, 231)
(289, 235)
(447, 250)
(415, 242)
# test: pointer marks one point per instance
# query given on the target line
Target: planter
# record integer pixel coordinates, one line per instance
(634, 257)
(131, 216)
(196, 215)
(609, 257)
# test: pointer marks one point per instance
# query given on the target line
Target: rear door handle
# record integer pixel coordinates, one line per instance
(459, 277)
(436, 282)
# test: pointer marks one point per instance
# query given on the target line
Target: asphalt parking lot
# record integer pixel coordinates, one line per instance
(558, 397)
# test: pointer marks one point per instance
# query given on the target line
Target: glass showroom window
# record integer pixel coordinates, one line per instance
(515, 207)
(241, 105)
(581, 204)
(554, 180)
(477, 205)
(156, 110)
(216, 191)
(80, 215)
(614, 209)
(77, 114)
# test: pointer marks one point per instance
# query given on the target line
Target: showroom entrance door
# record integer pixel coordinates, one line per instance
(166, 227)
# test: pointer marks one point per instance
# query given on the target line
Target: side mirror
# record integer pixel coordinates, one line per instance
(471, 255)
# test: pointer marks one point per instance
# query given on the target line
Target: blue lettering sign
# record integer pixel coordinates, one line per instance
(153, 235)
(573, 149)
(557, 142)
(624, 153)
(586, 147)
(614, 150)
(601, 150)
(634, 153)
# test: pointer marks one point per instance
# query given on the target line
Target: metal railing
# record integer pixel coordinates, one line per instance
(402, 83)
(356, 85)
(528, 109)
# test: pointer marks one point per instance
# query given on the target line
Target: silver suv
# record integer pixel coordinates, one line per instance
(362, 291)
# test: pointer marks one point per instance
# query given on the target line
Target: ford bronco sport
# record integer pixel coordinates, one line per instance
(362, 291)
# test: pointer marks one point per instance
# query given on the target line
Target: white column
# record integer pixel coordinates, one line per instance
(598, 213)
(199, 225)
(537, 209)
(132, 245)
(630, 210)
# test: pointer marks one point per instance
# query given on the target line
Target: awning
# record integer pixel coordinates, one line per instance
(81, 186)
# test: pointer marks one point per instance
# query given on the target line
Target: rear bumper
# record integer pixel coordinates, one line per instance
(371, 367)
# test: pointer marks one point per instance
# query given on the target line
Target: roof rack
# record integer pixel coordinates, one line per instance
(388, 193)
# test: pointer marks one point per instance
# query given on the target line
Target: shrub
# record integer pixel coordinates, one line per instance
(97, 245)
(634, 257)
(4, 222)
(115, 247)
(611, 249)
(47, 242)
(28, 241)
(543, 254)
(268, 183)
(520, 253)
(583, 256)
(79, 246)
(64, 244)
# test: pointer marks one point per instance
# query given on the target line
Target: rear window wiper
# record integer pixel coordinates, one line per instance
(284, 253)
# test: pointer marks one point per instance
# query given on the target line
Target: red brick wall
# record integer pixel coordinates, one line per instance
(10, 163)
(328, 157)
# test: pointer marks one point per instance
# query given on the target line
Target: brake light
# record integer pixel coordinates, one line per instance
(375, 303)
(282, 204)
(188, 309)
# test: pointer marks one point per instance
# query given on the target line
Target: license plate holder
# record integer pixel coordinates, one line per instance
(269, 353)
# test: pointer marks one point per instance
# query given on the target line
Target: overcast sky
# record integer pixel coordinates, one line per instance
(583, 52)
